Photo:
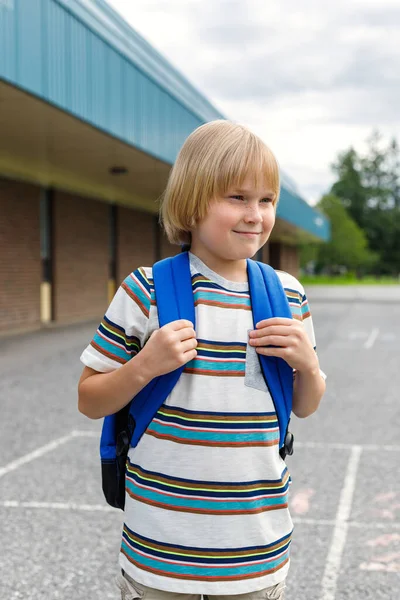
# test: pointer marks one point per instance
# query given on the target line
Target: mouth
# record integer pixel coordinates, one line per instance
(249, 234)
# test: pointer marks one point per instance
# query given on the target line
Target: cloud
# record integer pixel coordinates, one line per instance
(311, 78)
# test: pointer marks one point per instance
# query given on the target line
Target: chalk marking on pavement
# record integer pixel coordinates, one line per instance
(389, 561)
(371, 339)
(300, 504)
(340, 446)
(384, 540)
(392, 567)
(332, 567)
(388, 505)
(23, 460)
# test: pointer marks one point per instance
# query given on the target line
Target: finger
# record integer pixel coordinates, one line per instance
(280, 352)
(274, 321)
(189, 345)
(191, 355)
(186, 333)
(271, 330)
(271, 340)
(180, 324)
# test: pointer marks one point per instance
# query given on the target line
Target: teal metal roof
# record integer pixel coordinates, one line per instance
(295, 210)
(99, 15)
(82, 57)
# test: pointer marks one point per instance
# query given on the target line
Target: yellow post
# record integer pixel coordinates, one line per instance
(45, 302)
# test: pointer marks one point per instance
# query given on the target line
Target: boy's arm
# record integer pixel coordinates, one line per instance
(308, 388)
(168, 348)
(102, 394)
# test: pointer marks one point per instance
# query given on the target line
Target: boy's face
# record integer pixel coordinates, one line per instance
(237, 224)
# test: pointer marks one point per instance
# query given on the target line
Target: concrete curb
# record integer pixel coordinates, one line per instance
(363, 293)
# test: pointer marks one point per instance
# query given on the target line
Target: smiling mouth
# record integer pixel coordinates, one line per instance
(250, 233)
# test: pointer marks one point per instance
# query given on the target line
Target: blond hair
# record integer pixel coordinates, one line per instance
(215, 157)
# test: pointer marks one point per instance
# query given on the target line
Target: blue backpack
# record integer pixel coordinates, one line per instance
(173, 285)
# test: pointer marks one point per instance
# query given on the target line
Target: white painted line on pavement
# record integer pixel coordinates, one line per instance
(357, 335)
(306, 521)
(332, 566)
(357, 524)
(389, 337)
(23, 460)
(371, 339)
(378, 525)
(329, 445)
(105, 508)
(86, 433)
(340, 446)
(58, 506)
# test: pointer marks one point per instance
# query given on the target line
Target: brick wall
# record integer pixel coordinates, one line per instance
(284, 258)
(81, 254)
(81, 245)
(20, 266)
(135, 241)
(289, 260)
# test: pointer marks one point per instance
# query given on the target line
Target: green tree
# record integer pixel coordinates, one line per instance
(376, 173)
(394, 172)
(349, 186)
(369, 188)
(348, 246)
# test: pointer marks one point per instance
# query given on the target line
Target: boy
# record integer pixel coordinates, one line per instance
(206, 508)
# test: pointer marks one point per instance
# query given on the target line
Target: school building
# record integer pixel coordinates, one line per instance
(91, 120)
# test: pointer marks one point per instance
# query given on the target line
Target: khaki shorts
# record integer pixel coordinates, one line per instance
(131, 590)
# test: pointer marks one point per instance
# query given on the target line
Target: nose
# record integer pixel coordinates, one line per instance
(253, 214)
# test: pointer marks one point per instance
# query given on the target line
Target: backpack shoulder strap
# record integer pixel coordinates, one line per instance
(275, 292)
(173, 286)
(174, 295)
(268, 299)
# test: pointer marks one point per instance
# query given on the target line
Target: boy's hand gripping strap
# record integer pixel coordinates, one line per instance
(268, 299)
(174, 295)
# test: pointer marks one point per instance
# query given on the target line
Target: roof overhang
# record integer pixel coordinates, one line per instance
(47, 146)
(44, 145)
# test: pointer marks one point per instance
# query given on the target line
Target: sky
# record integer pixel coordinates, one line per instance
(310, 78)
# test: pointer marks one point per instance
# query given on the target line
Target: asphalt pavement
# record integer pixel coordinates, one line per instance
(60, 540)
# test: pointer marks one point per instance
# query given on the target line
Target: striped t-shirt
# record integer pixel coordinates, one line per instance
(206, 507)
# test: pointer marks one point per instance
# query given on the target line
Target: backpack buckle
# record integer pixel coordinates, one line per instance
(122, 445)
(288, 445)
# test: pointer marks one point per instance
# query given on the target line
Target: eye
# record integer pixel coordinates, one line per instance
(266, 200)
(237, 197)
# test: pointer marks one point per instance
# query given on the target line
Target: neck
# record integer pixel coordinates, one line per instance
(232, 270)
